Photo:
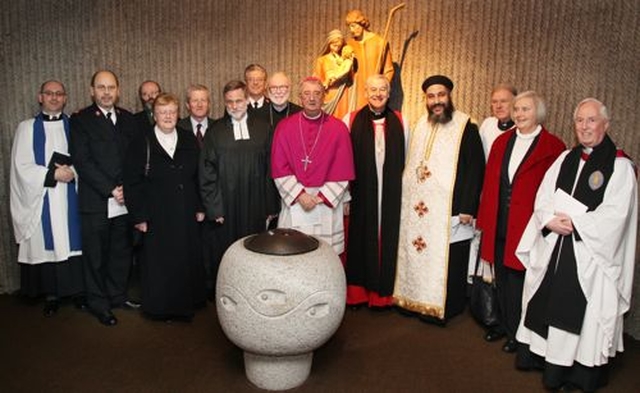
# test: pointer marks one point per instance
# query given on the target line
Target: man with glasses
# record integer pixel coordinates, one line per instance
(100, 135)
(279, 107)
(44, 206)
(238, 195)
(312, 164)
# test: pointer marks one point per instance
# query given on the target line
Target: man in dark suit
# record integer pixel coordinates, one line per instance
(255, 77)
(148, 91)
(198, 102)
(100, 135)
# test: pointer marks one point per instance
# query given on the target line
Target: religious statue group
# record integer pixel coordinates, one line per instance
(97, 193)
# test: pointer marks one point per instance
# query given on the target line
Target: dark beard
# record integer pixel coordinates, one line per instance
(445, 117)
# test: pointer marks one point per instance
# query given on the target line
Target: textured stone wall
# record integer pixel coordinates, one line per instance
(564, 49)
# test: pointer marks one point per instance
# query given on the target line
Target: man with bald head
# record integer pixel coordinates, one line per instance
(100, 135)
(279, 106)
(579, 252)
(147, 92)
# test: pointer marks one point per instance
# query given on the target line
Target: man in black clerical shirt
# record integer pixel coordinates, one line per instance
(279, 106)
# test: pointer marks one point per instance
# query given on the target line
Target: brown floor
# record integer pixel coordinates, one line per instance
(371, 352)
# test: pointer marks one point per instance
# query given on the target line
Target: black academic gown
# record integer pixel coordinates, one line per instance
(167, 198)
(235, 180)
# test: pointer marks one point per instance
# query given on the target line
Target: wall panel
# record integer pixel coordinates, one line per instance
(564, 49)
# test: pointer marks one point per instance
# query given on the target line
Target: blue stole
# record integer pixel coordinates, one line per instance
(73, 216)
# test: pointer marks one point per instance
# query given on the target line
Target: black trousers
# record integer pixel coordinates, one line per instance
(106, 248)
(509, 284)
(457, 278)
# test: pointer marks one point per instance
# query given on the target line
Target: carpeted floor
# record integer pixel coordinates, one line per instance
(371, 352)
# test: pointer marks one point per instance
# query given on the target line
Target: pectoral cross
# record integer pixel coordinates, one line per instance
(423, 172)
(306, 162)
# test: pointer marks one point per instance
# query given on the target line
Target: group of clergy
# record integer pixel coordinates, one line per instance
(556, 227)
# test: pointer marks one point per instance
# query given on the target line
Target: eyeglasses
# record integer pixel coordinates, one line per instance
(275, 89)
(256, 79)
(54, 93)
(167, 112)
(309, 94)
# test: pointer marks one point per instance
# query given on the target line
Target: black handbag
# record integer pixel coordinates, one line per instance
(483, 303)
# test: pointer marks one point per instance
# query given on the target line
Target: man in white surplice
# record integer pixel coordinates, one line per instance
(579, 251)
(43, 201)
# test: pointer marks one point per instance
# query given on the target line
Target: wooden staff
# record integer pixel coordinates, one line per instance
(380, 63)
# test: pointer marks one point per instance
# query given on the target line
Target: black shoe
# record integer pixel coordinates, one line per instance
(510, 346)
(107, 318)
(493, 335)
(50, 308)
(80, 303)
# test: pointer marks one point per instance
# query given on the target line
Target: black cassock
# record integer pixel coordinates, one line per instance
(235, 181)
(167, 198)
(466, 197)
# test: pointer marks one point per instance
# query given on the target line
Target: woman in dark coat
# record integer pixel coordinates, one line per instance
(161, 188)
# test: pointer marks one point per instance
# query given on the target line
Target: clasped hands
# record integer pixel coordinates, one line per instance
(561, 224)
(63, 173)
(308, 201)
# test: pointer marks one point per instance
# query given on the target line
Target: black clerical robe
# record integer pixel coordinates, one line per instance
(235, 180)
(374, 224)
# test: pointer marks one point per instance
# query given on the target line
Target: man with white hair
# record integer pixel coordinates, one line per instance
(379, 137)
(279, 106)
(579, 252)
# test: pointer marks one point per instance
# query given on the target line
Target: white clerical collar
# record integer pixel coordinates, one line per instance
(311, 117)
(57, 115)
(532, 135)
(587, 150)
(240, 129)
